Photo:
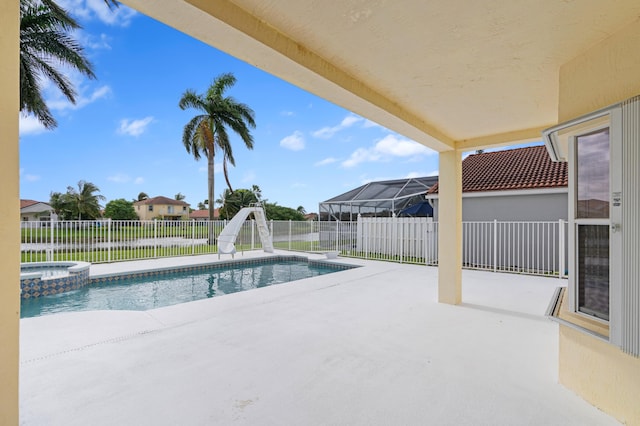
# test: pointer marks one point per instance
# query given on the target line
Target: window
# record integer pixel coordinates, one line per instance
(593, 270)
(184, 208)
(170, 209)
(150, 208)
(591, 212)
(592, 152)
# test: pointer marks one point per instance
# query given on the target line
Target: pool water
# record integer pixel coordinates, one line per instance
(139, 294)
(48, 271)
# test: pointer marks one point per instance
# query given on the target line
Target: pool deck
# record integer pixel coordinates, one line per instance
(367, 346)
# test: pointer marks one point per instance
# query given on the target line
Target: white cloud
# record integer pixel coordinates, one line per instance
(287, 113)
(368, 124)
(387, 148)
(31, 178)
(91, 41)
(97, 9)
(328, 132)
(361, 155)
(119, 178)
(298, 185)
(400, 147)
(134, 127)
(59, 103)
(30, 125)
(294, 142)
(139, 180)
(326, 161)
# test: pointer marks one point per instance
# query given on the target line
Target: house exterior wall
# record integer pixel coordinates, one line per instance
(598, 371)
(523, 207)
(9, 212)
(161, 211)
(35, 212)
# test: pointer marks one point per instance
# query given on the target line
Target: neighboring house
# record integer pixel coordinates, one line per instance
(377, 199)
(311, 216)
(518, 184)
(202, 215)
(31, 210)
(161, 208)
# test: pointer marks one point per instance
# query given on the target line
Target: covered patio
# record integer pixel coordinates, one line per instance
(454, 76)
(365, 346)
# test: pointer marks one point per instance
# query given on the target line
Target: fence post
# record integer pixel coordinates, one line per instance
(561, 248)
(193, 236)
(495, 245)
(109, 240)
(337, 234)
(53, 233)
(289, 234)
(401, 239)
(155, 237)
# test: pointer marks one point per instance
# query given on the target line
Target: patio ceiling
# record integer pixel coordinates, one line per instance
(450, 74)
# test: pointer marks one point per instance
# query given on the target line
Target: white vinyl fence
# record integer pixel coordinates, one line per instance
(523, 247)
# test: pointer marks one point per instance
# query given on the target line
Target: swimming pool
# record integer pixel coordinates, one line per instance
(155, 289)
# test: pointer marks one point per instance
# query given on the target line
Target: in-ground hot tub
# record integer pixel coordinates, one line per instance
(46, 278)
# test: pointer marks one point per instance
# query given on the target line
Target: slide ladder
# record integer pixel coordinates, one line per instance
(227, 238)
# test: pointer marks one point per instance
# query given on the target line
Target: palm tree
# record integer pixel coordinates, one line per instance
(142, 196)
(179, 196)
(235, 201)
(207, 132)
(45, 42)
(85, 201)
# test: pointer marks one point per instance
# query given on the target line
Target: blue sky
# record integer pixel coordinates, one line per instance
(125, 132)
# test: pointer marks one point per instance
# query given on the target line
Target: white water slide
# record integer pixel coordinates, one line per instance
(227, 238)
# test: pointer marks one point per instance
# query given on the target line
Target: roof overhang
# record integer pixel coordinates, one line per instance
(448, 74)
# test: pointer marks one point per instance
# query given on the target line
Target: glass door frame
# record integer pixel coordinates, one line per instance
(612, 121)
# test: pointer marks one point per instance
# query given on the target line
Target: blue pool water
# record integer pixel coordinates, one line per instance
(139, 294)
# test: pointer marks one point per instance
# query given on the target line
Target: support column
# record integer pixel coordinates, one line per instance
(9, 211)
(450, 228)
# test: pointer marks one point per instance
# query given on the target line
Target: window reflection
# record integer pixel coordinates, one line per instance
(593, 270)
(593, 175)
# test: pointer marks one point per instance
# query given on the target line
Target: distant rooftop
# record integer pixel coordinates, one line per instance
(27, 203)
(161, 200)
(513, 169)
(203, 214)
(386, 190)
(379, 199)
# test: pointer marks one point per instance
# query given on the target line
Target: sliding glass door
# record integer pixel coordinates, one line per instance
(591, 223)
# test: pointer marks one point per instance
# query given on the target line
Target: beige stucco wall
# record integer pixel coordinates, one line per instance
(9, 213)
(603, 75)
(160, 210)
(599, 372)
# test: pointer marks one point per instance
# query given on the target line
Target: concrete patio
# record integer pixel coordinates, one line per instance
(368, 346)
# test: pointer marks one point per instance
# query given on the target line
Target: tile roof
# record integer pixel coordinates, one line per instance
(513, 169)
(27, 203)
(203, 214)
(161, 200)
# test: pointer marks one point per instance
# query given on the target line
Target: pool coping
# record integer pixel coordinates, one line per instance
(153, 271)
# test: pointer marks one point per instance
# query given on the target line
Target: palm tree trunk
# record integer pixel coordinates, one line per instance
(212, 206)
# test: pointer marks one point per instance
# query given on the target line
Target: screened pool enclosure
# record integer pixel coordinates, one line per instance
(400, 197)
